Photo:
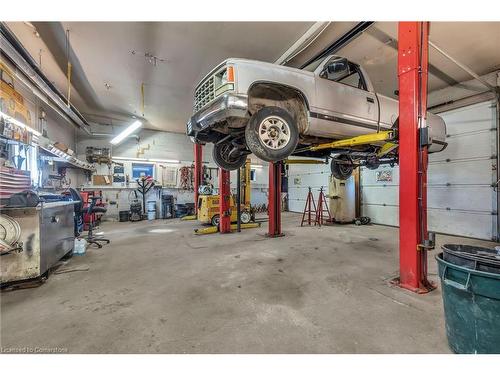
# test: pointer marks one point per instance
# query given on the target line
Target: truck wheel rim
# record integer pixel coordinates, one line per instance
(274, 132)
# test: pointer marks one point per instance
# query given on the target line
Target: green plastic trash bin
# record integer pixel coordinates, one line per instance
(471, 300)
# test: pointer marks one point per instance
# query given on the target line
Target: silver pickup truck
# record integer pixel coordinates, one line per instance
(246, 106)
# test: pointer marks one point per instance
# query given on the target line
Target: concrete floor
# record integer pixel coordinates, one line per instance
(160, 289)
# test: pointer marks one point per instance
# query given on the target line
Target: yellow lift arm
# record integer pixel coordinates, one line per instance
(387, 137)
(304, 161)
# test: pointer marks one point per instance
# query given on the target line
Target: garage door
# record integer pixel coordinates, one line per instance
(302, 176)
(461, 200)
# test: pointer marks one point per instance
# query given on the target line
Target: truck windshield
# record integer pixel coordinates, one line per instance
(312, 66)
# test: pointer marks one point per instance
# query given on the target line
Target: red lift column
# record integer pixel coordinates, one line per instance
(198, 171)
(224, 201)
(274, 200)
(412, 73)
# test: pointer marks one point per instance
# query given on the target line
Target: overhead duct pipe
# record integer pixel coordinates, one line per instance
(17, 54)
(303, 42)
(340, 42)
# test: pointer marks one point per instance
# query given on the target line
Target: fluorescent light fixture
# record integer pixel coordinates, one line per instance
(127, 159)
(167, 161)
(129, 130)
(19, 123)
(256, 166)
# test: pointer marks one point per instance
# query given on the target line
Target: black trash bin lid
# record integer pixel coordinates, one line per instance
(473, 257)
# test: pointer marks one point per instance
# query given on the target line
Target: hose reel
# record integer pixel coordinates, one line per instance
(10, 233)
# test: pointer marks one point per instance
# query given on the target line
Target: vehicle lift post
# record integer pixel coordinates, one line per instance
(274, 203)
(198, 171)
(224, 201)
(413, 235)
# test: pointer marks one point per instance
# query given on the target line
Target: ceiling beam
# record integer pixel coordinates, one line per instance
(463, 67)
(384, 38)
(341, 42)
(303, 42)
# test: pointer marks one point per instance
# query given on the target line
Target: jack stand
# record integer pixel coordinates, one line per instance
(274, 229)
(224, 201)
(308, 209)
(322, 208)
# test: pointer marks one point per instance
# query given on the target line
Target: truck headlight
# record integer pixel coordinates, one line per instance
(225, 80)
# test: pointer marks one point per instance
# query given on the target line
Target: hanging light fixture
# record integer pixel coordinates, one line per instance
(129, 130)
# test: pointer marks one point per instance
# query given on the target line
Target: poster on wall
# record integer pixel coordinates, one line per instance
(384, 176)
(118, 169)
(142, 170)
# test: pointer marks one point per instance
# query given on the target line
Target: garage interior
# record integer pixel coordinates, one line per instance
(121, 235)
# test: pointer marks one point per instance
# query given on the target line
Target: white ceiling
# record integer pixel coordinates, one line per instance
(190, 50)
(476, 44)
(102, 54)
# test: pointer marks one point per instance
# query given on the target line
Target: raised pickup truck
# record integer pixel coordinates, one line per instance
(246, 106)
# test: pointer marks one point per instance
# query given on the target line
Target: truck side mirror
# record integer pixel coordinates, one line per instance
(336, 70)
(337, 66)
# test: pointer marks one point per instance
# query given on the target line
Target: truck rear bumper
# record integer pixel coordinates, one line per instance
(222, 108)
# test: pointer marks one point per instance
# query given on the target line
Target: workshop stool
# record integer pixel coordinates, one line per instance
(91, 210)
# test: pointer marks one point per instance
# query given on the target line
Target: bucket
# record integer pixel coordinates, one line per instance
(124, 215)
(181, 210)
(151, 206)
(151, 215)
(473, 257)
(471, 300)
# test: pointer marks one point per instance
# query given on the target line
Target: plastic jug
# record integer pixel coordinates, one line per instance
(80, 246)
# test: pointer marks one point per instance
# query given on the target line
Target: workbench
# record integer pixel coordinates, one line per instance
(47, 234)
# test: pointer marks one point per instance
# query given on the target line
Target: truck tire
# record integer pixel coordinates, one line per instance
(223, 159)
(342, 167)
(272, 134)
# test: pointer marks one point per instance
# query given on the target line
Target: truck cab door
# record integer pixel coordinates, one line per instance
(344, 106)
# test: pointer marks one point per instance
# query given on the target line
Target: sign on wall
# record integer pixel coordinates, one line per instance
(384, 175)
(142, 170)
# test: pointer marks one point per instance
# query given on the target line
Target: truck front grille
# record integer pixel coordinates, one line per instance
(204, 94)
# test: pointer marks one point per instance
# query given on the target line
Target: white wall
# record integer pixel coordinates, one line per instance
(158, 145)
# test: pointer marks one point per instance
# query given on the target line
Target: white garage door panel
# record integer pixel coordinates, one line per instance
(460, 223)
(381, 195)
(470, 118)
(475, 145)
(460, 197)
(463, 172)
(387, 215)
(300, 178)
(297, 199)
(471, 198)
